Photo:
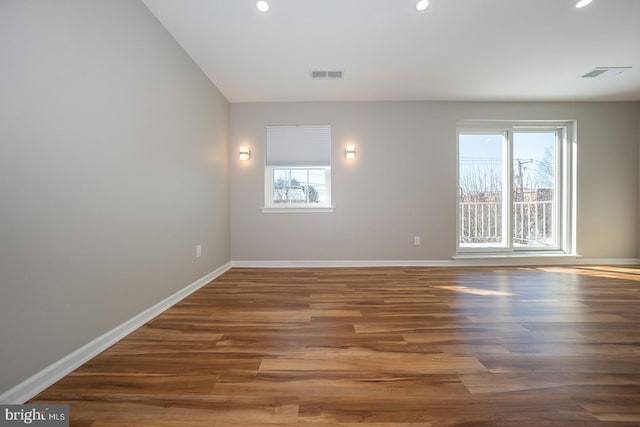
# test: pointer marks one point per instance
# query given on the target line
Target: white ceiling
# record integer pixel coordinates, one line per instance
(502, 50)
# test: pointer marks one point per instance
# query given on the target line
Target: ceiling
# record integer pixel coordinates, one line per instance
(484, 50)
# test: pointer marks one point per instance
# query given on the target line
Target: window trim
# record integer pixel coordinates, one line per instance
(565, 183)
(270, 207)
(297, 147)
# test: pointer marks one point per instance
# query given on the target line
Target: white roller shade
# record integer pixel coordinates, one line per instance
(299, 145)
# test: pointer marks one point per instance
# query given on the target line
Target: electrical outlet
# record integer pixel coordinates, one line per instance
(198, 251)
(416, 240)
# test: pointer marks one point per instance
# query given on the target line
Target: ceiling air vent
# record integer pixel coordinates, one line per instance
(326, 74)
(602, 72)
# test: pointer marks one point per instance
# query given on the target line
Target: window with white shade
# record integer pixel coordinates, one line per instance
(298, 168)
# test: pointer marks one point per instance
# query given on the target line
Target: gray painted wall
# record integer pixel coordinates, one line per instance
(113, 167)
(403, 182)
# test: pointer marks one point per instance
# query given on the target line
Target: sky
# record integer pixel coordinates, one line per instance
(527, 145)
(485, 149)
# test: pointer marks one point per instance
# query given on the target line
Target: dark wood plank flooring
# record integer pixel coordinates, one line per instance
(382, 347)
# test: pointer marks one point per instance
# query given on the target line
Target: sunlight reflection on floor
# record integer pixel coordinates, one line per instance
(627, 273)
(475, 291)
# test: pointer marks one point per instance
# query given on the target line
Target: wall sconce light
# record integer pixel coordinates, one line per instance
(245, 154)
(582, 3)
(350, 152)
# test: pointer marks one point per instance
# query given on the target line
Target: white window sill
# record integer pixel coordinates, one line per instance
(288, 209)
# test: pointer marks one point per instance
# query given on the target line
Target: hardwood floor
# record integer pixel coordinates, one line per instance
(405, 347)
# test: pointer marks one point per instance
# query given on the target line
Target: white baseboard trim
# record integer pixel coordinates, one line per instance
(608, 261)
(338, 263)
(461, 262)
(52, 373)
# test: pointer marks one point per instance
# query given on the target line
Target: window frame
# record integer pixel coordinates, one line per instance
(564, 194)
(297, 147)
(270, 206)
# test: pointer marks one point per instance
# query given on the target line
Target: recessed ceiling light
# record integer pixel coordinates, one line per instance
(262, 6)
(583, 3)
(422, 5)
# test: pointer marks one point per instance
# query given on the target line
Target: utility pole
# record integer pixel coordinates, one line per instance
(520, 180)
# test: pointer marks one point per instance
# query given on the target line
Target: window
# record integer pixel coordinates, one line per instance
(514, 187)
(298, 168)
